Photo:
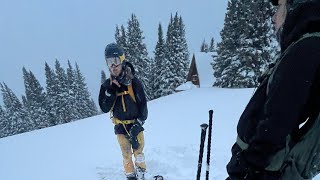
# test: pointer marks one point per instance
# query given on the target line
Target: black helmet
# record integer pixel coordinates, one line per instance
(113, 50)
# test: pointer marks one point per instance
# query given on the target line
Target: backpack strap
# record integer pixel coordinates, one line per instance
(130, 92)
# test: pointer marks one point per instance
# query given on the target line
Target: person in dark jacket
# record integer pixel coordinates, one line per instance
(123, 96)
(288, 95)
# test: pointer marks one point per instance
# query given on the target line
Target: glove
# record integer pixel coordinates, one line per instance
(109, 88)
(134, 131)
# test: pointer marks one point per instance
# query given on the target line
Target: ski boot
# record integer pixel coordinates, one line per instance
(140, 173)
(131, 176)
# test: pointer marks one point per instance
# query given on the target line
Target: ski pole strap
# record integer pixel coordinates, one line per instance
(117, 121)
(243, 145)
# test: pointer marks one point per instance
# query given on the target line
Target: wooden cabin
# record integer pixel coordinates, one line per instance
(200, 72)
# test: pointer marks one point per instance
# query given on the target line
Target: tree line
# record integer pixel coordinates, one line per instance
(247, 47)
(65, 98)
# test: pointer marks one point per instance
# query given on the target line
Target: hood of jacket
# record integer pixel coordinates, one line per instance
(301, 18)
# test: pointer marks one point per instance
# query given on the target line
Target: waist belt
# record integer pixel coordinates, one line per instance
(117, 121)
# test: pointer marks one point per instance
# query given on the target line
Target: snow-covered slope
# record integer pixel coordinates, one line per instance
(88, 150)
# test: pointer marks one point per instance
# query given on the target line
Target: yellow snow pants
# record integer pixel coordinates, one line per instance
(127, 151)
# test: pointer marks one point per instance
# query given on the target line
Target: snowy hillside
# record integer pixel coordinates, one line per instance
(87, 149)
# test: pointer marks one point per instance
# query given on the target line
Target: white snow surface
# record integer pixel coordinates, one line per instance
(186, 86)
(88, 150)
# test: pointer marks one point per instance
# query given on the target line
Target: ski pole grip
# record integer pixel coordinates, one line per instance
(204, 126)
(210, 114)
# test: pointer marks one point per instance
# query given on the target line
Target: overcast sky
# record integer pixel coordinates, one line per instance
(36, 31)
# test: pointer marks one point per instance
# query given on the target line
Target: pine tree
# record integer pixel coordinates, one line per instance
(184, 61)
(244, 51)
(17, 120)
(65, 112)
(177, 56)
(204, 47)
(103, 77)
(152, 79)
(137, 54)
(3, 123)
(158, 65)
(167, 72)
(117, 35)
(86, 106)
(35, 101)
(74, 96)
(121, 37)
(225, 65)
(254, 52)
(212, 47)
(52, 95)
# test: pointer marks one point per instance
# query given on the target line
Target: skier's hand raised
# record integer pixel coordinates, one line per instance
(110, 88)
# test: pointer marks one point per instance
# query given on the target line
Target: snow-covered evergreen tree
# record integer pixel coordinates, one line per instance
(204, 46)
(3, 123)
(52, 95)
(17, 119)
(158, 65)
(177, 56)
(137, 53)
(225, 65)
(244, 51)
(103, 77)
(86, 106)
(167, 71)
(74, 97)
(62, 88)
(121, 37)
(152, 79)
(117, 35)
(212, 47)
(65, 112)
(35, 101)
(254, 52)
(184, 61)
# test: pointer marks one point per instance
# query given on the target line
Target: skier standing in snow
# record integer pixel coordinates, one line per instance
(268, 129)
(122, 94)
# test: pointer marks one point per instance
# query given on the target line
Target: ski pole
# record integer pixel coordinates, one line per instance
(209, 144)
(202, 139)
